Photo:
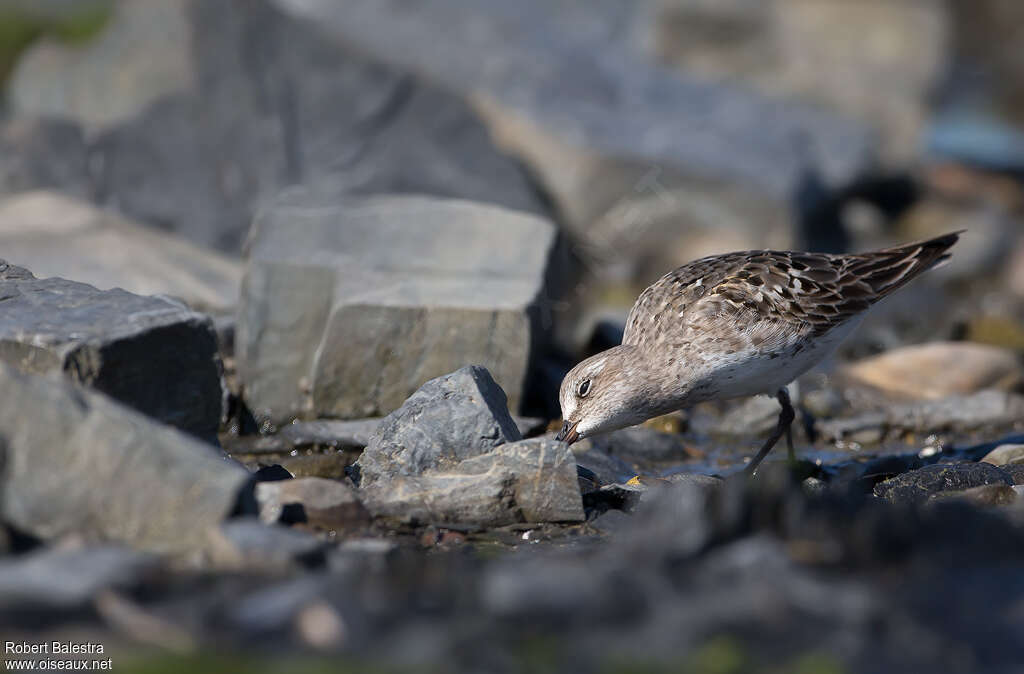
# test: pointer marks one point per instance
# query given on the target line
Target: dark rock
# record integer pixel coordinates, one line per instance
(149, 352)
(348, 303)
(640, 445)
(59, 579)
(608, 469)
(1015, 471)
(527, 481)
(77, 462)
(530, 426)
(918, 485)
(451, 418)
(329, 504)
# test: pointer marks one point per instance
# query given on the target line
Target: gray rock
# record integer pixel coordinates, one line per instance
(627, 149)
(55, 235)
(526, 481)
(56, 578)
(343, 434)
(248, 543)
(918, 485)
(274, 104)
(329, 504)
(151, 353)
(451, 418)
(348, 303)
(77, 462)
(43, 153)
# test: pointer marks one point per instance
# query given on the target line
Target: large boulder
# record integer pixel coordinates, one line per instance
(451, 418)
(77, 462)
(151, 353)
(349, 304)
(226, 103)
(641, 163)
(56, 235)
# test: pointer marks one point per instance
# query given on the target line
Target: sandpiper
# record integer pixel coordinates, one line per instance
(734, 325)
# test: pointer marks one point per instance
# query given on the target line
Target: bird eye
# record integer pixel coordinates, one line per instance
(583, 389)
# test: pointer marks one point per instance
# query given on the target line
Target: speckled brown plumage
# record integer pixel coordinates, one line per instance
(733, 325)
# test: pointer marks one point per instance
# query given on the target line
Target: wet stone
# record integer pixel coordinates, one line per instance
(250, 544)
(918, 485)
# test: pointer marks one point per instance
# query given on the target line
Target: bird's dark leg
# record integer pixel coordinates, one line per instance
(786, 417)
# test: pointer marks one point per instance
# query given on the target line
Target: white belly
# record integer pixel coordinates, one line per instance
(752, 372)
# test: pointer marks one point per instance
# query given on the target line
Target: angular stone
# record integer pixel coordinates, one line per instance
(526, 481)
(151, 353)
(348, 304)
(55, 235)
(329, 504)
(1005, 454)
(546, 487)
(918, 485)
(939, 369)
(451, 418)
(78, 462)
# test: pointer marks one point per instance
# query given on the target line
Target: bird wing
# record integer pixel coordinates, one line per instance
(774, 295)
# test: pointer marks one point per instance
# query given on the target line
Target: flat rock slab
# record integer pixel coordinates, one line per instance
(527, 481)
(918, 485)
(151, 353)
(449, 419)
(56, 235)
(78, 462)
(349, 304)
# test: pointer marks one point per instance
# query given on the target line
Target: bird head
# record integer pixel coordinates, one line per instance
(603, 393)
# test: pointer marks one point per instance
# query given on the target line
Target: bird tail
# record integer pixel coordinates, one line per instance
(888, 269)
